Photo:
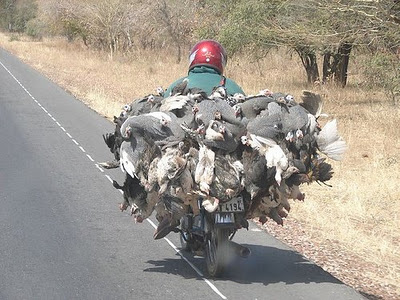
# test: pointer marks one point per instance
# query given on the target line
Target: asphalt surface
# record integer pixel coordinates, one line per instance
(62, 235)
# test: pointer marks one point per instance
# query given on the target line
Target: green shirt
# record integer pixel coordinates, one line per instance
(206, 78)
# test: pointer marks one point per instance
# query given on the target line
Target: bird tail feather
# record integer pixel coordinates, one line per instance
(266, 141)
(330, 143)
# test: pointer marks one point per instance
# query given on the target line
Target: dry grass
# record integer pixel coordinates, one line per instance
(360, 212)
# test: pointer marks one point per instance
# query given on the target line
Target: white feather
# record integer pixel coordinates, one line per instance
(160, 115)
(275, 156)
(330, 143)
(336, 149)
(312, 122)
(210, 206)
(265, 141)
(204, 172)
(126, 164)
(174, 102)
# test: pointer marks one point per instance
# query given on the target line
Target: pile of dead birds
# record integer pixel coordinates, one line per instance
(175, 149)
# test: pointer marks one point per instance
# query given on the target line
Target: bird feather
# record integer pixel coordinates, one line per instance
(312, 102)
(204, 172)
(330, 143)
(174, 102)
(126, 165)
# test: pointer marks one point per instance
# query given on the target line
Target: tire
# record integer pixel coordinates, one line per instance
(216, 246)
(185, 244)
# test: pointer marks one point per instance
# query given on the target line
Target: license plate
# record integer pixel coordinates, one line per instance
(224, 218)
(234, 205)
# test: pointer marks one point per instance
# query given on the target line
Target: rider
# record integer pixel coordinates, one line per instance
(207, 61)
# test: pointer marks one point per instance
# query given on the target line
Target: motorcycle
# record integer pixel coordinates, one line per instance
(211, 234)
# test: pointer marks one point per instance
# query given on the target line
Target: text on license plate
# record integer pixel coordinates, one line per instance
(234, 205)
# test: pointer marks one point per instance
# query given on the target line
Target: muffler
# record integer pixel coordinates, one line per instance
(240, 250)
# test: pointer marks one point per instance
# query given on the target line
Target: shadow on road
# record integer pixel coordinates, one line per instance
(265, 265)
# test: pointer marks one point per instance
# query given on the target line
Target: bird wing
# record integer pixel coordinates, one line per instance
(312, 102)
(174, 102)
(204, 172)
(330, 143)
(268, 126)
(127, 162)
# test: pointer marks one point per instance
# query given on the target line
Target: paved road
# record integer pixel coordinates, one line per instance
(63, 237)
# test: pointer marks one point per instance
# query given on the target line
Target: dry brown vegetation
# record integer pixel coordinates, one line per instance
(351, 229)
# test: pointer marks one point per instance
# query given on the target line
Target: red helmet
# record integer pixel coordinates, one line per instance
(208, 53)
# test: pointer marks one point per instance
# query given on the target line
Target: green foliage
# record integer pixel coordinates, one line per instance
(311, 28)
(26, 10)
(14, 15)
(35, 28)
(14, 37)
(244, 25)
(7, 11)
(72, 28)
(382, 69)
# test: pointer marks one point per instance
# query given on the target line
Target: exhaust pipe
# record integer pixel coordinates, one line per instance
(240, 250)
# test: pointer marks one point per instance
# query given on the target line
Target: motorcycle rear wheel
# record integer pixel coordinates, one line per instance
(216, 251)
(184, 238)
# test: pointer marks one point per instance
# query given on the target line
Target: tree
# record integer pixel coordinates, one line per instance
(7, 12)
(14, 15)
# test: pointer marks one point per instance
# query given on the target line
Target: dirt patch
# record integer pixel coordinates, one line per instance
(351, 269)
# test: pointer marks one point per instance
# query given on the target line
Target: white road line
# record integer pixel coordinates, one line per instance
(100, 168)
(109, 178)
(212, 286)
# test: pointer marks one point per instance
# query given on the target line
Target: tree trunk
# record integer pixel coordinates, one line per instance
(343, 63)
(328, 67)
(173, 33)
(309, 60)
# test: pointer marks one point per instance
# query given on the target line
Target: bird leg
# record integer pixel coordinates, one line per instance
(230, 192)
(210, 204)
(123, 206)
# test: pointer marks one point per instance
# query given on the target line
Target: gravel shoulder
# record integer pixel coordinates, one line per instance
(351, 269)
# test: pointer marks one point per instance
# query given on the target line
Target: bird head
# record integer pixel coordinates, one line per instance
(244, 140)
(128, 132)
(160, 91)
(299, 134)
(239, 97)
(213, 131)
(289, 98)
(290, 136)
(127, 108)
(217, 115)
(198, 119)
(222, 129)
(265, 92)
(219, 92)
(238, 110)
(150, 98)
(200, 129)
(195, 109)
(164, 121)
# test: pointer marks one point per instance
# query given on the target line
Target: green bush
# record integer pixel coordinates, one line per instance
(34, 29)
(382, 69)
(14, 37)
